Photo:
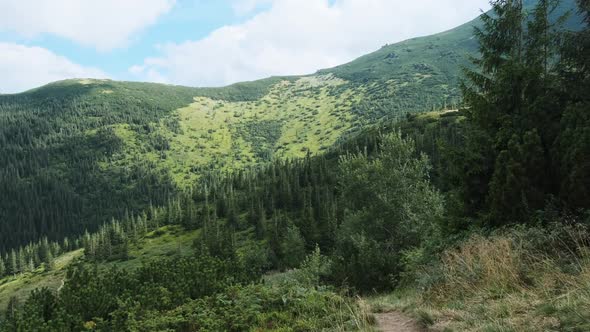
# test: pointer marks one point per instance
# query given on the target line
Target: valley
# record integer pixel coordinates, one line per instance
(436, 184)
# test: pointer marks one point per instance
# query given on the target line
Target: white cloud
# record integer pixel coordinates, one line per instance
(243, 7)
(301, 36)
(23, 67)
(102, 24)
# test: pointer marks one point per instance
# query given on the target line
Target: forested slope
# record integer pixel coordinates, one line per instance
(282, 236)
(77, 153)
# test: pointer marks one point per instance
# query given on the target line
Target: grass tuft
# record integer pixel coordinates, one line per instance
(522, 279)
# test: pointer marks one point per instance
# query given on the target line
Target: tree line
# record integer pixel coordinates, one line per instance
(517, 153)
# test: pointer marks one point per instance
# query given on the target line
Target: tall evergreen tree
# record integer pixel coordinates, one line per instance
(11, 263)
(572, 147)
(2, 267)
(11, 314)
(513, 108)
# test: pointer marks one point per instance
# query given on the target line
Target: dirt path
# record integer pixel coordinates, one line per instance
(396, 322)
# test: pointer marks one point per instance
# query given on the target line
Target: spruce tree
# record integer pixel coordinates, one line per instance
(260, 226)
(11, 315)
(572, 147)
(512, 105)
(2, 268)
(11, 263)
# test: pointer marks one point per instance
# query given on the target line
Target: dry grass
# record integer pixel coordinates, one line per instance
(521, 280)
(493, 264)
(358, 316)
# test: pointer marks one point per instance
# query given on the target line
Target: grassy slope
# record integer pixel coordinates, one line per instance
(279, 118)
(294, 117)
(22, 285)
(439, 54)
(165, 241)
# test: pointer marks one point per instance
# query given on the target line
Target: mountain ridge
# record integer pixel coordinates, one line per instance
(87, 133)
(270, 205)
(461, 36)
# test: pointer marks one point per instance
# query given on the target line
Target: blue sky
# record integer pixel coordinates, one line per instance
(204, 42)
(188, 19)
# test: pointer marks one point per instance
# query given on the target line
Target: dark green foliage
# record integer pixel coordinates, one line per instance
(390, 207)
(52, 141)
(286, 202)
(111, 242)
(184, 294)
(508, 165)
(293, 247)
(263, 135)
(383, 204)
(573, 143)
(10, 315)
(265, 308)
(91, 296)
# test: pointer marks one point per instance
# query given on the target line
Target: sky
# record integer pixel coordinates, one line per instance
(204, 42)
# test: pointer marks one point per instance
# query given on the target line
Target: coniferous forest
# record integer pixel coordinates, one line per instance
(469, 211)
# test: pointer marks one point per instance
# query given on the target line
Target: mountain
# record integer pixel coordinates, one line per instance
(301, 203)
(77, 152)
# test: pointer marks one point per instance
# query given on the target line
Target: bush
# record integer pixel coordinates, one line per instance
(391, 208)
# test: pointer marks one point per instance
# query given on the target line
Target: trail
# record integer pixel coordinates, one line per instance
(396, 322)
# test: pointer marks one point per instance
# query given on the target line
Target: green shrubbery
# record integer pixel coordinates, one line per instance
(391, 207)
(199, 293)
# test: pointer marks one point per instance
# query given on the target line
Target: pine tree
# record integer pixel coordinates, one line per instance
(233, 219)
(21, 261)
(11, 263)
(50, 263)
(11, 315)
(293, 247)
(2, 268)
(573, 144)
(66, 244)
(31, 265)
(260, 226)
(505, 165)
(44, 250)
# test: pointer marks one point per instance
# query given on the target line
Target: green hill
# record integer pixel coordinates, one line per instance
(270, 205)
(76, 153)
